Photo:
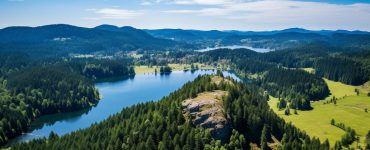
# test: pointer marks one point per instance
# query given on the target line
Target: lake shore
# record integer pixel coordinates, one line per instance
(175, 67)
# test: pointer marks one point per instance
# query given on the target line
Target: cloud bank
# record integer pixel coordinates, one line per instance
(114, 13)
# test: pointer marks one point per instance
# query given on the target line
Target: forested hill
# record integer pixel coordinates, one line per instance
(63, 39)
(297, 86)
(162, 125)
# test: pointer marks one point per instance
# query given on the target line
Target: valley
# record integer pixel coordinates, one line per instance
(185, 75)
(113, 87)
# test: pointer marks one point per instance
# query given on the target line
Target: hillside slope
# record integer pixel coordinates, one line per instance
(61, 39)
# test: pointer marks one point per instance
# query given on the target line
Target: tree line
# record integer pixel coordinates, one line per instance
(342, 69)
(294, 85)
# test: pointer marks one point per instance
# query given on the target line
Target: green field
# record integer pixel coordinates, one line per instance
(348, 110)
(145, 69)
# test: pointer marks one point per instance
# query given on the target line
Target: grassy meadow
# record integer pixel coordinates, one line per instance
(350, 110)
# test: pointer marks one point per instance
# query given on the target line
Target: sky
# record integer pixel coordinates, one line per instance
(245, 15)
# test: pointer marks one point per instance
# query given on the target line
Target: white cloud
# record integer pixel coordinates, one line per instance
(268, 9)
(146, 3)
(278, 14)
(151, 2)
(203, 2)
(114, 13)
(220, 12)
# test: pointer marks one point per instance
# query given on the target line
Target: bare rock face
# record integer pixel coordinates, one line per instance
(206, 110)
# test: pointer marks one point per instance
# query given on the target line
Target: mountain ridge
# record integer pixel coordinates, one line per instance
(64, 39)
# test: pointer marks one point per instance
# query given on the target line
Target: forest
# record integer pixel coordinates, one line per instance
(161, 125)
(296, 86)
(31, 88)
(343, 70)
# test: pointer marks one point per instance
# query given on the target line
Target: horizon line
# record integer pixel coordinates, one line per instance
(169, 28)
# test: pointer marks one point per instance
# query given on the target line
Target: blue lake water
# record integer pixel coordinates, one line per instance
(260, 50)
(115, 96)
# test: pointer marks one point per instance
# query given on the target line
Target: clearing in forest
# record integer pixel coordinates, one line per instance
(349, 109)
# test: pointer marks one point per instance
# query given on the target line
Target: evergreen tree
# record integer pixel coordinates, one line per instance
(264, 138)
(149, 144)
(332, 122)
(287, 111)
(367, 140)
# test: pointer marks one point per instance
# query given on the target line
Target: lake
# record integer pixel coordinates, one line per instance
(115, 96)
(260, 50)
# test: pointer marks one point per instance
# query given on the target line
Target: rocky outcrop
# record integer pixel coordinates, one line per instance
(206, 110)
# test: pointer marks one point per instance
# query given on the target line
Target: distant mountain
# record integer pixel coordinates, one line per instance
(181, 35)
(108, 27)
(296, 30)
(127, 30)
(63, 39)
(278, 39)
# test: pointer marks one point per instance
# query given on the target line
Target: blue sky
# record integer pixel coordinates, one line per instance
(254, 15)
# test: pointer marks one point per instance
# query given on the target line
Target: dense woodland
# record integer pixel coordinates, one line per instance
(343, 70)
(39, 91)
(97, 69)
(297, 86)
(12, 61)
(31, 88)
(161, 125)
(243, 59)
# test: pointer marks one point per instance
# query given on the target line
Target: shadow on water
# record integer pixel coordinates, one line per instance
(165, 73)
(49, 120)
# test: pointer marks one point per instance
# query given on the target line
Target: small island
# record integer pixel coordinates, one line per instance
(165, 70)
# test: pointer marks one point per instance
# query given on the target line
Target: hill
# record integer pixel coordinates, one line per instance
(61, 39)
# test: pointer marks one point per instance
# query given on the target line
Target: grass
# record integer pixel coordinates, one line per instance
(175, 67)
(145, 69)
(365, 88)
(217, 80)
(309, 70)
(135, 55)
(339, 90)
(348, 110)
